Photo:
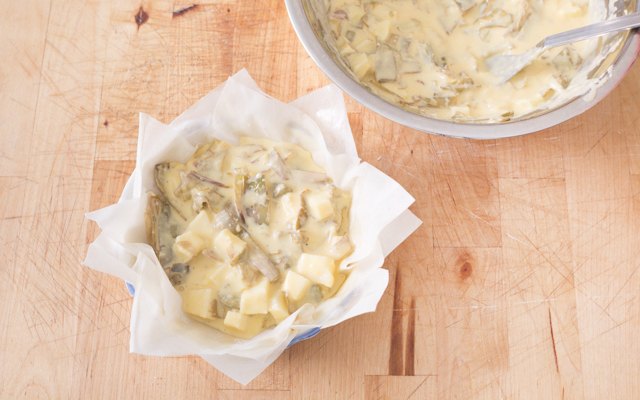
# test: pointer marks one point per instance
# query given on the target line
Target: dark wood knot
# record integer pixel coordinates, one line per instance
(141, 17)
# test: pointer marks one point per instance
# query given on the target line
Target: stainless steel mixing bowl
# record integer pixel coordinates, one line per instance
(305, 16)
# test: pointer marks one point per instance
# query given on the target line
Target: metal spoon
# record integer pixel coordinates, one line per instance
(505, 66)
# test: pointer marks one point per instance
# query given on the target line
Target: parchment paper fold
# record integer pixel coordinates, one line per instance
(380, 221)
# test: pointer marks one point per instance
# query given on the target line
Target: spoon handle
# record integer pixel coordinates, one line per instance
(593, 30)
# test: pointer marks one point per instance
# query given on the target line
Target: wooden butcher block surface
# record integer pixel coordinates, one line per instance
(521, 283)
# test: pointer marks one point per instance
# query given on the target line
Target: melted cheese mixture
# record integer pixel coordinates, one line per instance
(249, 233)
(429, 55)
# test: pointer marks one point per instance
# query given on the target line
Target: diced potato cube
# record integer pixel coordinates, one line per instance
(201, 225)
(217, 274)
(410, 26)
(380, 29)
(340, 246)
(385, 65)
(364, 42)
(226, 275)
(187, 246)
(278, 308)
(291, 205)
(318, 204)
(255, 300)
(236, 320)
(410, 67)
(380, 11)
(359, 63)
(228, 245)
(318, 269)
(465, 4)
(199, 302)
(254, 325)
(344, 46)
(295, 285)
(355, 12)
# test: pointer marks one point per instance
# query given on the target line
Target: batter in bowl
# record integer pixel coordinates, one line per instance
(429, 55)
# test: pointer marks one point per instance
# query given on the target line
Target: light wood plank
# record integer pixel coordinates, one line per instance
(465, 193)
(605, 251)
(544, 340)
(471, 339)
(51, 240)
(399, 387)
(24, 30)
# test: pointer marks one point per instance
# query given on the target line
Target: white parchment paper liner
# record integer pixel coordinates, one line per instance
(380, 221)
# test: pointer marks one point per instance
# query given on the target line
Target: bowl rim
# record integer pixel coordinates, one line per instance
(575, 107)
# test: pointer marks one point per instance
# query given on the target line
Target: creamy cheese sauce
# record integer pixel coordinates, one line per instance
(429, 55)
(248, 233)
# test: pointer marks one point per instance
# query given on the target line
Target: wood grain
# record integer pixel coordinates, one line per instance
(521, 283)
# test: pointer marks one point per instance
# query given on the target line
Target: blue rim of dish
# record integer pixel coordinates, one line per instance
(303, 336)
